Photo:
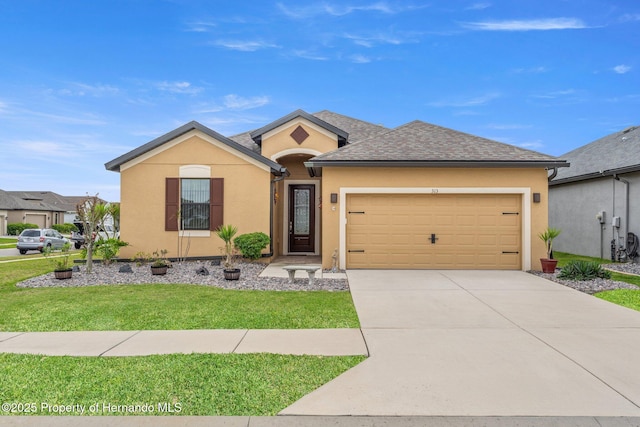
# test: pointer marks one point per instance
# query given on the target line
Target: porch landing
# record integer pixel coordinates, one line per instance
(274, 269)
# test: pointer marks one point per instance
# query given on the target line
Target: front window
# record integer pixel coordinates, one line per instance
(194, 201)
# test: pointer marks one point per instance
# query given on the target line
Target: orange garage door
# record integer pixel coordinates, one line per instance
(434, 231)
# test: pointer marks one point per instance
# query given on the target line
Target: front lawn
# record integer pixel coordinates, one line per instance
(162, 306)
(195, 384)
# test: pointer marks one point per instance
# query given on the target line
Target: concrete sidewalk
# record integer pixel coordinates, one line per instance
(324, 342)
(484, 343)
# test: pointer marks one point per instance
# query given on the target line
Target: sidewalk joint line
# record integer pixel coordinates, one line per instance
(117, 344)
(240, 342)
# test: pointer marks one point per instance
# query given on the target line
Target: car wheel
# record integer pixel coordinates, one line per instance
(23, 251)
(78, 245)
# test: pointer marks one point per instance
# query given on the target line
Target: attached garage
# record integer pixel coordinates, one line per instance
(434, 231)
(38, 219)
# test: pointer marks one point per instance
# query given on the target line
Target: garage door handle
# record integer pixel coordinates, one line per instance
(510, 252)
(356, 250)
(510, 213)
(356, 212)
(433, 238)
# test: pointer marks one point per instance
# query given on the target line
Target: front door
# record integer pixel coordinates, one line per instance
(302, 218)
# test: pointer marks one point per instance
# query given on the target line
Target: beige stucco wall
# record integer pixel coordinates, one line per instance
(335, 178)
(246, 195)
(279, 140)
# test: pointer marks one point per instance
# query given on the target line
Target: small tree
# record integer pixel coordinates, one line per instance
(547, 237)
(227, 233)
(91, 213)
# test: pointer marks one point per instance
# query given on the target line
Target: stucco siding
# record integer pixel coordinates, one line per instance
(573, 208)
(277, 142)
(447, 179)
(246, 198)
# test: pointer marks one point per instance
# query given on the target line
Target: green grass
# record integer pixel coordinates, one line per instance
(197, 384)
(158, 306)
(625, 297)
(202, 384)
(629, 298)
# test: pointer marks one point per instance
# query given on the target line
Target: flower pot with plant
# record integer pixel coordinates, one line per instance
(548, 263)
(227, 233)
(62, 269)
(159, 263)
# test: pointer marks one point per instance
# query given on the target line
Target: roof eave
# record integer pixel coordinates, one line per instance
(438, 163)
(594, 175)
(114, 165)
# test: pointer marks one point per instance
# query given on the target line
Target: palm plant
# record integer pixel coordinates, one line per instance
(227, 233)
(547, 237)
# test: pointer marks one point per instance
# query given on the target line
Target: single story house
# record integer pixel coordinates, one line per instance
(418, 196)
(596, 202)
(27, 208)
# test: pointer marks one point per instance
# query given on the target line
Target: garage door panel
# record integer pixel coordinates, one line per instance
(472, 231)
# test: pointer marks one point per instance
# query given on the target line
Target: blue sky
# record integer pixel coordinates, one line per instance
(82, 82)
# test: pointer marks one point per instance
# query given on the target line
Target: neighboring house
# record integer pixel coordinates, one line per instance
(417, 196)
(602, 183)
(20, 207)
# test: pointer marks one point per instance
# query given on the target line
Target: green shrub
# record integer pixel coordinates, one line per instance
(252, 244)
(16, 228)
(65, 228)
(583, 270)
(108, 249)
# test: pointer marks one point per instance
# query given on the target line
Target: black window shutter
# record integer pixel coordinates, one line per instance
(172, 204)
(216, 207)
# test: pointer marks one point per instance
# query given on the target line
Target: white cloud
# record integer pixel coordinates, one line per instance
(532, 145)
(46, 148)
(305, 54)
(360, 59)
(179, 87)
(527, 25)
(630, 17)
(470, 102)
(532, 70)
(200, 26)
(341, 9)
(245, 45)
(380, 38)
(479, 6)
(235, 102)
(622, 69)
(556, 94)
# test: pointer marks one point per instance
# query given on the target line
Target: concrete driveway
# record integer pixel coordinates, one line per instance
(484, 343)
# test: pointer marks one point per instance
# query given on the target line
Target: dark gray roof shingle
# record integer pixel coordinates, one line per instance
(418, 141)
(610, 154)
(19, 200)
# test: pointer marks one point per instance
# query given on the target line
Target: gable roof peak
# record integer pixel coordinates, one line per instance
(256, 135)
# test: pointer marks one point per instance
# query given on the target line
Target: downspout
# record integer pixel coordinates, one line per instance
(553, 174)
(271, 214)
(626, 206)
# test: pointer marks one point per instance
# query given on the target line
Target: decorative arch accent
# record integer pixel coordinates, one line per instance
(300, 150)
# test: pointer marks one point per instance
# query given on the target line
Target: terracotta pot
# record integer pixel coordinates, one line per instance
(63, 274)
(548, 265)
(232, 274)
(159, 271)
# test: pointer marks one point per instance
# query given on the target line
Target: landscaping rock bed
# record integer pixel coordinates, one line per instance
(185, 272)
(596, 285)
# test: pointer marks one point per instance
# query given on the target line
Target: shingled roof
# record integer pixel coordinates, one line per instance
(613, 154)
(421, 143)
(18, 200)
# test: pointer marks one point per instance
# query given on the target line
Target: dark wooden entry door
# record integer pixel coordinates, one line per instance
(302, 218)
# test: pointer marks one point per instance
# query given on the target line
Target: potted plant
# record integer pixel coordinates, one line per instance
(159, 265)
(227, 233)
(62, 270)
(548, 263)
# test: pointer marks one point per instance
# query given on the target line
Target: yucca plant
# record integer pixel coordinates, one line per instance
(583, 270)
(547, 237)
(227, 233)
